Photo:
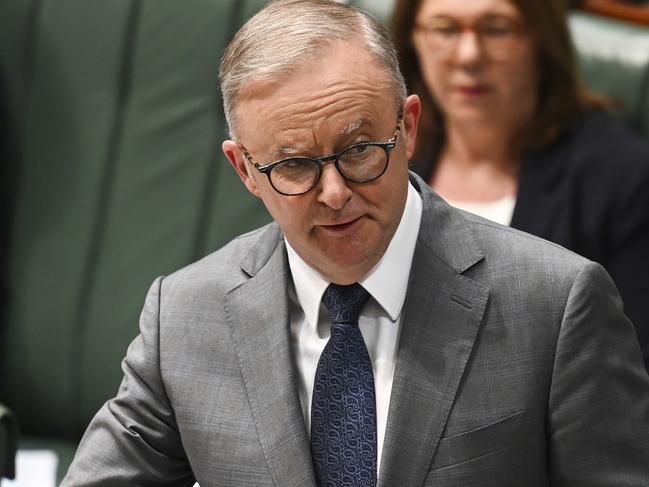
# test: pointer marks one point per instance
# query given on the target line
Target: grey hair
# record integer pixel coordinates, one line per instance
(287, 33)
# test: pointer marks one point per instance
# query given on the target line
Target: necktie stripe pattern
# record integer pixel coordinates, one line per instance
(343, 413)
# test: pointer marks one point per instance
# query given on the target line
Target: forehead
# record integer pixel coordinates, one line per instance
(341, 91)
(467, 9)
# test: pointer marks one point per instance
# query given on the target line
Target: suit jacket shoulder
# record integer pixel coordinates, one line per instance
(514, 343)
(230, 265)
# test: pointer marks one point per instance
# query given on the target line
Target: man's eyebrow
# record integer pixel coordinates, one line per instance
(288, 151)
(352, 127)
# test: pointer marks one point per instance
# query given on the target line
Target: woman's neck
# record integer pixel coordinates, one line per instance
(477, 163)
(480, 143)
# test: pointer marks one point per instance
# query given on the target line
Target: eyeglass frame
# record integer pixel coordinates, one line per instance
(335, 157)
(429, 30)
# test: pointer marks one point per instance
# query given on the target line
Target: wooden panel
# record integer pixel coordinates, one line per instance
(619, 10)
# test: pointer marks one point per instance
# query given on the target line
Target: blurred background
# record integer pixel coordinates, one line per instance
(112, 174)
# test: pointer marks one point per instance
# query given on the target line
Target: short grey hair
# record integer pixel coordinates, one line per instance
(287, 33)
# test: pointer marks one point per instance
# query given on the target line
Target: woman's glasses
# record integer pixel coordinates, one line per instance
(496, 34)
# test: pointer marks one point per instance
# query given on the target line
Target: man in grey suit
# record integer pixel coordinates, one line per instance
(495, 358)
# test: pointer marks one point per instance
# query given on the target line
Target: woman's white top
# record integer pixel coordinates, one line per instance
(499, 211)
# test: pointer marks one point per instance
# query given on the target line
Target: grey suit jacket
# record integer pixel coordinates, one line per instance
(515, 367)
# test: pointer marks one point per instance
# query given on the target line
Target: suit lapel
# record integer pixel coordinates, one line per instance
(258, 317)
(442, 315)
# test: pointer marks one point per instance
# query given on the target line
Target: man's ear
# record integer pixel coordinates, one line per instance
(411, 114)
(238, 161)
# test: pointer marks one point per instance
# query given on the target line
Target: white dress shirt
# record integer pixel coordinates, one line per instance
(379, 322)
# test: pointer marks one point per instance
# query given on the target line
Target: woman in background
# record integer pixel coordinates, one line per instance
(509, 133)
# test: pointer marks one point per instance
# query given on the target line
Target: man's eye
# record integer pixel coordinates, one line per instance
(292, 163)
(357, 149)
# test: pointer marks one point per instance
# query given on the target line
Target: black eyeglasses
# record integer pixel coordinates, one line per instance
(359, 163)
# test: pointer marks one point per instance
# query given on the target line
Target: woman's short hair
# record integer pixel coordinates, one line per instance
(280, 38)
(560, 96)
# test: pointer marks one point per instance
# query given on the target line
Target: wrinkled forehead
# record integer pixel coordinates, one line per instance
(343, 90)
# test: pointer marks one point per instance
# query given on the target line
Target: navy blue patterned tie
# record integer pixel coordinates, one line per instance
(343, 412)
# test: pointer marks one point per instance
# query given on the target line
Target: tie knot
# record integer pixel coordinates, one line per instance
(345, 303)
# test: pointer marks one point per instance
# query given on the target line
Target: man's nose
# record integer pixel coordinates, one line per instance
(333, 189)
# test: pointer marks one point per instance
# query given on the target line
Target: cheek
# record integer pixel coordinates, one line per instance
(289, 213)
(436, 81)
(435, 78)
(391, 197)
(432, 70)
(519, 75)
(272, 200)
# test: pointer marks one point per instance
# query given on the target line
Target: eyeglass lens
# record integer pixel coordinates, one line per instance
(358, 163)
(496, 34)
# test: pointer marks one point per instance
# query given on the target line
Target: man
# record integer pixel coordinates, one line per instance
(481, 356)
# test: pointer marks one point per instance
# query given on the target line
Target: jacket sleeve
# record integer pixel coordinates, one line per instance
(133, 439)
(598, 409)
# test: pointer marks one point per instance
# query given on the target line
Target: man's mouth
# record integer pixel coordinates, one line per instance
(342, 226)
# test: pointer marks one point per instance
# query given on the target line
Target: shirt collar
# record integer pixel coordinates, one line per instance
(387, 282)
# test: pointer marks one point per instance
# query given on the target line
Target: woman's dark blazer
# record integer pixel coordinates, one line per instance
(589, 192)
